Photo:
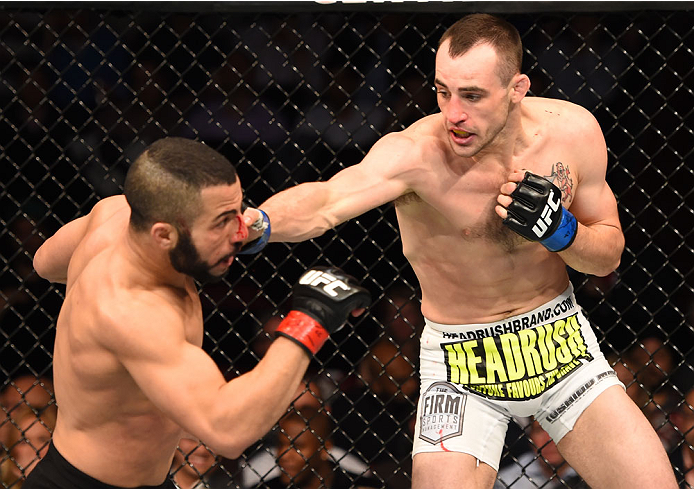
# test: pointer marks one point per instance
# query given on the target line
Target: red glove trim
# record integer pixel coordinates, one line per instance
(303, 329)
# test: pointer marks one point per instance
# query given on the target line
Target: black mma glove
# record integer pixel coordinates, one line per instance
(536, 214)
(321, 303)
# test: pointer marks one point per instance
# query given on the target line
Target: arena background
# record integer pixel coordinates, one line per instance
(293, 92)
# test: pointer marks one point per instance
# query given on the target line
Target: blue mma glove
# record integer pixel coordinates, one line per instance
(536, 214)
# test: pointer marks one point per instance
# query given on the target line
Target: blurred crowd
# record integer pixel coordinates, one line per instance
(290, 98)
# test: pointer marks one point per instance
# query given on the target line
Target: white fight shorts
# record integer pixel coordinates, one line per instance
(545, 363)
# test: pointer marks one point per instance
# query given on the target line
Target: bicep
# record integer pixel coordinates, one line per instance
(594, 203)
(384, 174)
(178, 377)
(308, 210)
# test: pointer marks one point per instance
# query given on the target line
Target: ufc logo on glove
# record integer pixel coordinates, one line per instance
(534, 215)
(322, 301)
(545, 221)
(317, 277)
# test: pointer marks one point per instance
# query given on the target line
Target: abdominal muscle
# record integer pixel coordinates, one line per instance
(472, 278)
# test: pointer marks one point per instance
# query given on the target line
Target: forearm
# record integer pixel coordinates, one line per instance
(596, 250)
(299, 213)
(250, 405)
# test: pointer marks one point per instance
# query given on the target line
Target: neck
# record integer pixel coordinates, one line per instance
(152, 263)
(509, 142)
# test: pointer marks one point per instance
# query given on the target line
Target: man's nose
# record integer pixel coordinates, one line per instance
(455, 112)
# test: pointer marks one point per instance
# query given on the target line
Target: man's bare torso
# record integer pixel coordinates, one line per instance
(107, 427)
(471, 268)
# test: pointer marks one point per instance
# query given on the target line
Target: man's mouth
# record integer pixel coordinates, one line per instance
(460, 133)
(227, 260)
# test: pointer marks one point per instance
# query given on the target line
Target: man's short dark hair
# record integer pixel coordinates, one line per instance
(475, 29)
(164, 182)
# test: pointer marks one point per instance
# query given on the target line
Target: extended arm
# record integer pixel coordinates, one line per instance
(183, 381)
(310, 209)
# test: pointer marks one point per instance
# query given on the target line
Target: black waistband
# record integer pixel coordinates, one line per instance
(54, 472)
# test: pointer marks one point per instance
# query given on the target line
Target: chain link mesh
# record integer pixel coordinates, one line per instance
(297, 96)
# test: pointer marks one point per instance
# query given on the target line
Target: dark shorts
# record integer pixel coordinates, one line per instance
(54, 472)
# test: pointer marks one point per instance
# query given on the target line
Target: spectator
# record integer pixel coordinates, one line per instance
(263, 465)
(375, 412)
(645, 371)
(400, 315)
(29, 436)
(196, 466)
(303, 448)
(26, 391)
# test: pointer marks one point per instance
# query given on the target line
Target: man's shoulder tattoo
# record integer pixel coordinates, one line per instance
(561, 177)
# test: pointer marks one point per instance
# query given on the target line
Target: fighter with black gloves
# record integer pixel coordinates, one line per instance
(536, 213)
(322, 301)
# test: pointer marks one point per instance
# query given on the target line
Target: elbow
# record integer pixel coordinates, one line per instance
(40, 264)
(609, 259)
(234, 451)
(47, 270)
(615, 265)
(228, 438)
(605, 271)
(616, 257)
(607, 267)
(228, 445)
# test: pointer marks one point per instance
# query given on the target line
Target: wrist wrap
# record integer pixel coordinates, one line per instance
(262, 223)
(564, 235)
(304, 330)
(536, 213)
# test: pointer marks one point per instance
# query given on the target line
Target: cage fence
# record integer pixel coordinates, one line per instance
(296, 93)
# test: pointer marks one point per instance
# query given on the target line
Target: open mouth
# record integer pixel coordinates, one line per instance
(460, 133)
(227, 260)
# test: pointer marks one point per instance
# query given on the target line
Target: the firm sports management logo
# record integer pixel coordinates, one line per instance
(443, 407)
(517, 365)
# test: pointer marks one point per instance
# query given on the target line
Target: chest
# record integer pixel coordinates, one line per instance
(463, 202)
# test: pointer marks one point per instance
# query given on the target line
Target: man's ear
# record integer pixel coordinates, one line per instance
(520, 84)
(165, 235)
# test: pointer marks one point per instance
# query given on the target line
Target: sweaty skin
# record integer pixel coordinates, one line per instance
(130, 374)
